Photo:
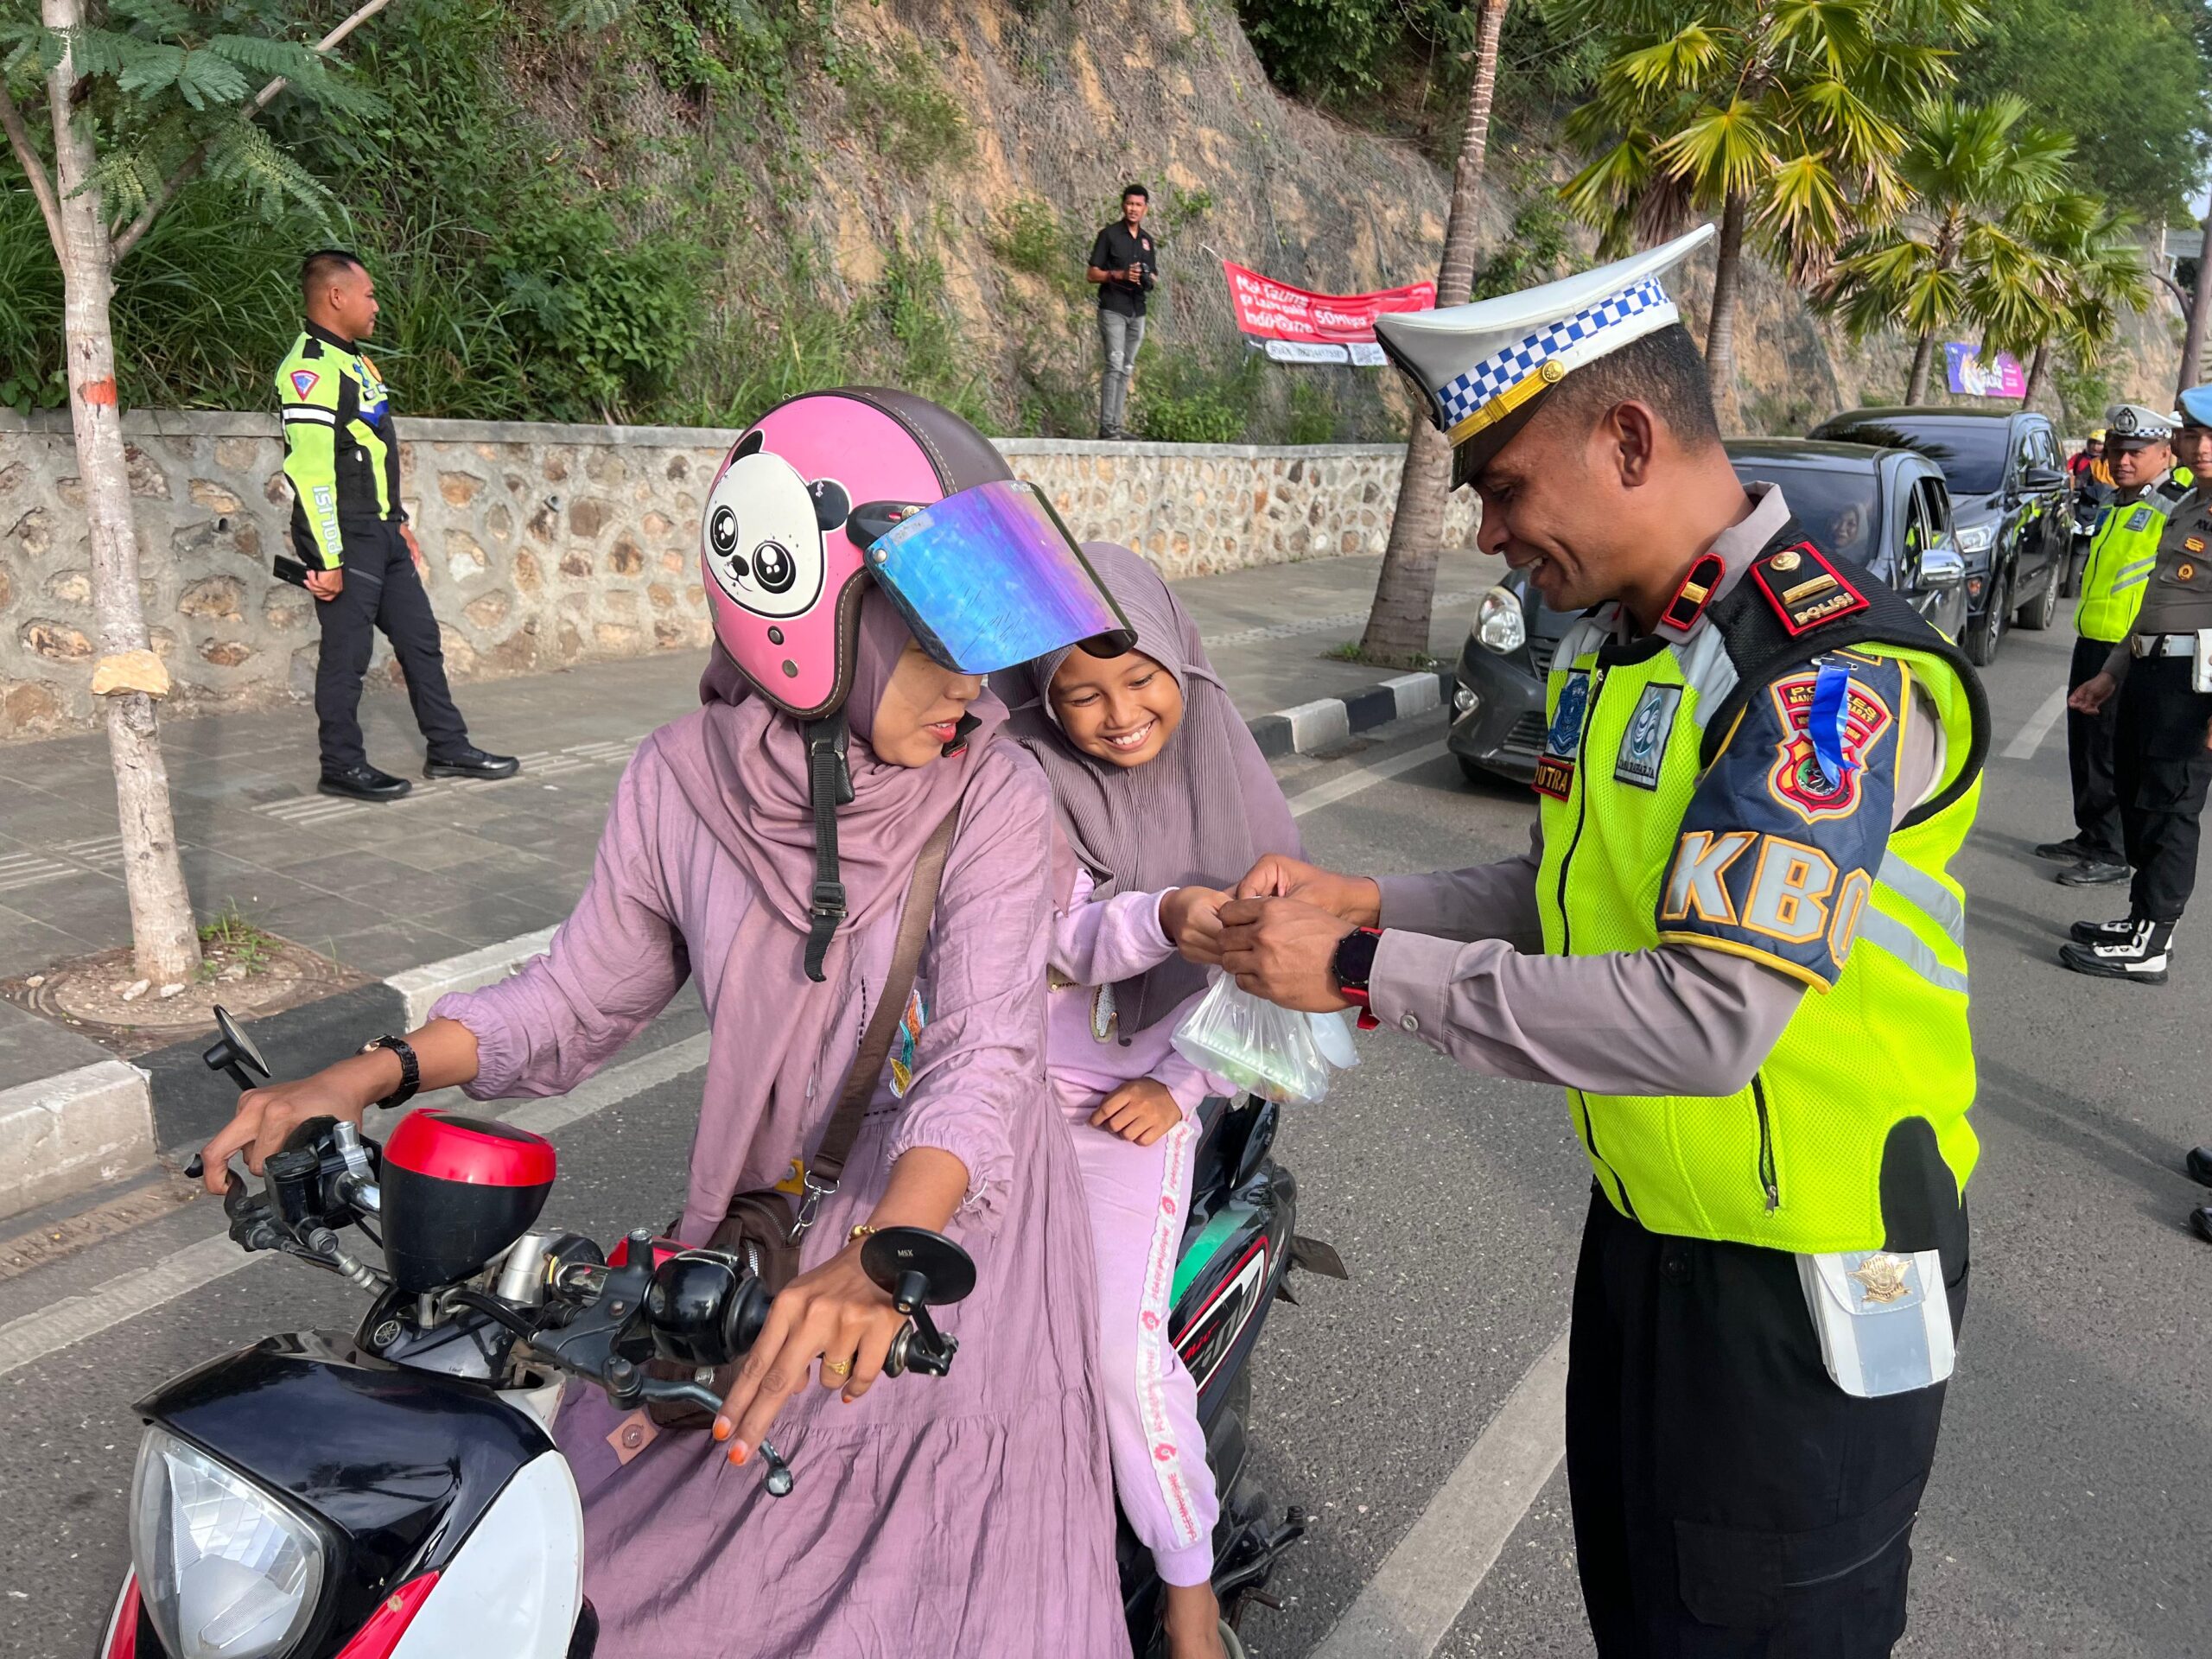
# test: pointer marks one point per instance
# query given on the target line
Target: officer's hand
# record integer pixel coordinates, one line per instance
(326, 585)
(2094, 694)
(1356, 898)
(2208, 733)
(415, 551)
(1280, 948)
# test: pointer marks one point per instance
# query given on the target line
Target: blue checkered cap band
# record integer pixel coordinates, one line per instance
(1505, 370)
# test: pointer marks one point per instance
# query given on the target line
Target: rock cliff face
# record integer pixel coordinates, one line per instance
(992, 136)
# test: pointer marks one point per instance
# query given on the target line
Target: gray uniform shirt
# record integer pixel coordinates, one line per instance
(1461, 963)
(2177, 598)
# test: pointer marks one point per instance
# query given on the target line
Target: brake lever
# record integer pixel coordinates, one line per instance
(776, 1475)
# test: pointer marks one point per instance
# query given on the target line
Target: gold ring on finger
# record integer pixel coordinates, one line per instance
(836, 1367)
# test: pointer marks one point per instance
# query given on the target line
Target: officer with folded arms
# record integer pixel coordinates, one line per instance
(2122, 548)
(2158, 681)
(1735, 940)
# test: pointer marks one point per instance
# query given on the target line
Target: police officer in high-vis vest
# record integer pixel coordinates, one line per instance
(341, 455)
(1736, 940)
(2158, 681)
(2121, 551)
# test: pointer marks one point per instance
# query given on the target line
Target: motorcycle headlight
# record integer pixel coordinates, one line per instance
(1976, 538)
(226, 1570)
(1497, 621)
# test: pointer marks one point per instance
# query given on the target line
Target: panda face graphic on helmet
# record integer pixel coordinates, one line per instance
(762, 533)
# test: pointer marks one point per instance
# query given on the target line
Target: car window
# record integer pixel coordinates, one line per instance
(1840, 507)
(1971, 452)
(1936, 502)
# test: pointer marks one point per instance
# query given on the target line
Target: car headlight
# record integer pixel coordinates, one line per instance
(1497, 621)
(1976, 538)
(226, 1570)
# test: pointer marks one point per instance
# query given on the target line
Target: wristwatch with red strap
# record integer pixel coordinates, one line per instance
(1353, 964)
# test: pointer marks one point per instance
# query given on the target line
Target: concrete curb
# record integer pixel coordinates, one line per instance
(65, 1134)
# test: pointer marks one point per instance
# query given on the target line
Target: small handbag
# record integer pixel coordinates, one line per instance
(759, 1228)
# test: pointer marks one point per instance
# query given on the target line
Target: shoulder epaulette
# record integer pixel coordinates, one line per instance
(1805, 588)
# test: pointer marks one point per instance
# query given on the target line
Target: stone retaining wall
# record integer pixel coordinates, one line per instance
(548, 545)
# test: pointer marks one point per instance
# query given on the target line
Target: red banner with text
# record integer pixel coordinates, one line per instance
(1293, 326)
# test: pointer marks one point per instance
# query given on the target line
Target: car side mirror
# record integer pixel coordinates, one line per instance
(2044, 478)
(1941, 565)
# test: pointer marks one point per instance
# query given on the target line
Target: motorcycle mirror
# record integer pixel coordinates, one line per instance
(233, 1051)
(917, 1267)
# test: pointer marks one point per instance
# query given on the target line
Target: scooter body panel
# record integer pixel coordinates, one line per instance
(515, 1585)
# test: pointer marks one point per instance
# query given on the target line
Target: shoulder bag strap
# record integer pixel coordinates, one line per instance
(827, 1165)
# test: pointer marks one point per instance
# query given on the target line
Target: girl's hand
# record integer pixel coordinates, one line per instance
(1141, 1111)
(834, 1313)
(1191, 918)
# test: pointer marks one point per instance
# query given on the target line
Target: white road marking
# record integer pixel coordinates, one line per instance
(1411, 1603)
(34, 1336)
(1351, 783)
(2024, 747)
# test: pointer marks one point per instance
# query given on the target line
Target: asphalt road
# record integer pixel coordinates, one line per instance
(2069, 1513)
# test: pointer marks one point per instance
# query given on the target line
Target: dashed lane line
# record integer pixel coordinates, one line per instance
(2030, 736)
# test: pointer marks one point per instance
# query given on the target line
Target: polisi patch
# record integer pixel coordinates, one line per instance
(1643, 745)
(1796, 779)
(1806, 590)
(304, 381)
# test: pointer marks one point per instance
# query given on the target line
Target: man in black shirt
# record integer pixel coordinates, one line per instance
(1121, 265)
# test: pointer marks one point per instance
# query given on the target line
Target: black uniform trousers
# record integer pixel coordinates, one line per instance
(1729, 1498)
(383, 591)
(2161, 767)
(2088, 756)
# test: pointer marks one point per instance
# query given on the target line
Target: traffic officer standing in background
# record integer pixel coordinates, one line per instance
(1735, 941)
(2158, 679)
(2121, 551)
(364, 566)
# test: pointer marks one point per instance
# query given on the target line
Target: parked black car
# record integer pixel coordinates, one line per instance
(2006, 470)
(1886, 509)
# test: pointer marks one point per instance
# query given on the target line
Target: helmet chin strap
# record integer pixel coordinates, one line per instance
(828, 786)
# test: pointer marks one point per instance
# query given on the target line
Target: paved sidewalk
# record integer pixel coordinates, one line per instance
(457, 866)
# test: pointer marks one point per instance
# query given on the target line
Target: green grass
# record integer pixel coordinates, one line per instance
(238, 942)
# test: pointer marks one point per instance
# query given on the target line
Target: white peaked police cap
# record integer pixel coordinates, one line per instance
(2133, 421)
(1484, 366)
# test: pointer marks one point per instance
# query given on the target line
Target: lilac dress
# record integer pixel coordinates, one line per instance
(972, 1514)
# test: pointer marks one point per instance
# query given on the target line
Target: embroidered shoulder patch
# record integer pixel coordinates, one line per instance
(1804, 589)
(1797, 779)
(902, 1053)
(304, 381)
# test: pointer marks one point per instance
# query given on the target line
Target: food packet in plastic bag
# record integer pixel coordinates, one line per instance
(1272, 1052)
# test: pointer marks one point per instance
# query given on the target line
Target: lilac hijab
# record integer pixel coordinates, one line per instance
(1201, 812)
(743, 770)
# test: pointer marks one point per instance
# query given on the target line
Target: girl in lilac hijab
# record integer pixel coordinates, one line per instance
(969, 1514)
(1161, 800)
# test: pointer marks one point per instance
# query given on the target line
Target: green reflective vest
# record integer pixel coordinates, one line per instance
(1685, 802)
(2122, 548)
(340, 451)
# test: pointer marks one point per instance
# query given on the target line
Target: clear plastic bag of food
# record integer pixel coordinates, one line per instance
(1274, 1052)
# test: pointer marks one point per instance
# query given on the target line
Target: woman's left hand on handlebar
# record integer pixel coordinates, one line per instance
(834, 1313)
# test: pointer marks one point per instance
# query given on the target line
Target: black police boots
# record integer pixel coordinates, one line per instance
(471, 763)
(2135, 949)
(364, 783)
(2093, 871)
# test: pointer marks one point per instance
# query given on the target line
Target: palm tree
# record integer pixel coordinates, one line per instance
(1781, 116)
(2089, 267)
(1405, 592)
(1956, 258)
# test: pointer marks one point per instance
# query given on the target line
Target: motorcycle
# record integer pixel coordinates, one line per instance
(396, 1494)
(2088, 503)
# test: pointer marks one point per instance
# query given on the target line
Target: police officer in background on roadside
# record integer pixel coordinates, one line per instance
(2158, 682)
(364, 566)
(2122, 548)
(1735, 941)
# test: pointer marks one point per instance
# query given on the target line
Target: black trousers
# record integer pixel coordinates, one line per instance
(2161, 767)
(1729, 1498)
(2088, 756)
(382, 591)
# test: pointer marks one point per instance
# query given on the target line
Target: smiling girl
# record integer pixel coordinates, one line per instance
(1161, 800)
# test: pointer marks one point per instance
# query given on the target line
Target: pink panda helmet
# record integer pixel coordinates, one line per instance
(831, 489)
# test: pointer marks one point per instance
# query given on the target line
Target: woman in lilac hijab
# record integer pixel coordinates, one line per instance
(971, 1514)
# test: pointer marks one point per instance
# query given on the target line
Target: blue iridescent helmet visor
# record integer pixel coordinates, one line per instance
(989, 577)
(2196, 406)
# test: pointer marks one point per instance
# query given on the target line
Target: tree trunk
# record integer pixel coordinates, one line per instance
(2192, 350)
(1720, 328)
(165, 942)
(2038, 372)
(1916, 388)
(1405, 593)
